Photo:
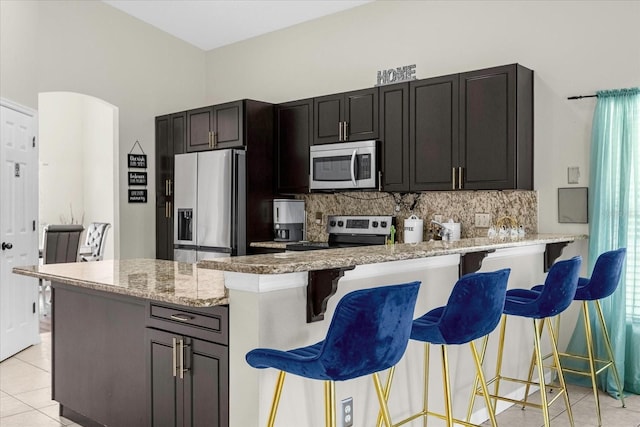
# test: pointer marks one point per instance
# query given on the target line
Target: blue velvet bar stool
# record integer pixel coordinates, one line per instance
(558, 292)
(603, 282)
(472, 311)
(368, 333)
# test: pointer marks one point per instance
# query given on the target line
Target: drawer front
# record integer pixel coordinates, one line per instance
(211, 324)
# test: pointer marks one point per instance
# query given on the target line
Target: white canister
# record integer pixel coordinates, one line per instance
(413, 227)
(455, 229)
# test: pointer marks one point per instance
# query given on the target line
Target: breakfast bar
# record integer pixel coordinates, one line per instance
(189, 326)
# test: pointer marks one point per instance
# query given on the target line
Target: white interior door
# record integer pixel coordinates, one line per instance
(18, 216)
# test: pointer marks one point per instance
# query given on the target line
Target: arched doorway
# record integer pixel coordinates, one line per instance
(78, 168)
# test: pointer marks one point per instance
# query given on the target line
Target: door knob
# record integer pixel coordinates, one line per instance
(6, 246)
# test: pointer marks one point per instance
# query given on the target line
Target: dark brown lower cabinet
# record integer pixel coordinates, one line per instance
(125, 361)
(188, 381)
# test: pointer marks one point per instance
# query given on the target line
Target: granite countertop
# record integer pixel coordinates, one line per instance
(290, 262)
(157, 280)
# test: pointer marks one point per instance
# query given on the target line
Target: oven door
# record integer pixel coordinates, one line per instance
(351, 165)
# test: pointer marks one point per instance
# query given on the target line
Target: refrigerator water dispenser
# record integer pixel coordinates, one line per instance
(185, 224)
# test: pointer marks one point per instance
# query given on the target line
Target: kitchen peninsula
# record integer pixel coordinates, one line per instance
(138, 341)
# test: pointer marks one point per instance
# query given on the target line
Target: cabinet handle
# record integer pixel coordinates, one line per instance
(181, 345)
(166, 187)
(215, 139)
(182, 317)
(346, 131)
(166, 209)
(379, 180)
(170, 210)
(174, 357)
(460, 178)
(339, 131)
(453, 178)
(170, 186)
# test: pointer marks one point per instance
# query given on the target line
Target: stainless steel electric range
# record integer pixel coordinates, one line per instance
(350, 231)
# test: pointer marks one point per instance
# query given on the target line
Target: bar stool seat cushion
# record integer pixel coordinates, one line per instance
(369, 333)
(467, 315)
(546, 301)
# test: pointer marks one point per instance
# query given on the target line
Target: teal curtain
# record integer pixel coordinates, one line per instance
(614, 222)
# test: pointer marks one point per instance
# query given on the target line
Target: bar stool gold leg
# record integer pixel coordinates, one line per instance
(476, 381)
(556, 361)
(607, 342)
(425, 385)
(592, 367)
(330, 403)
(543, 391)
(503, 328)
(483, 383)
(531, 365)
(447, 386)
(387, 391)
(276, 399)
(382, 399)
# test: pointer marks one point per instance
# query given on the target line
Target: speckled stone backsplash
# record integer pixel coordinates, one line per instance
(461, 206)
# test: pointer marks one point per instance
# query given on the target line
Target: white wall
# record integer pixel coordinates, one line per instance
(91, 48)
(573, 47)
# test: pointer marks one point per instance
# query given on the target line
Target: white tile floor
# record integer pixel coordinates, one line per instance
(25, 399)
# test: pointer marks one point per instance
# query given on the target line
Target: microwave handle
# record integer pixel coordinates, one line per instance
(353, 167)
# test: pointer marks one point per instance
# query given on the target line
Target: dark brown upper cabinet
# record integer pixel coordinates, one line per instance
(350, 116)
(394, 132)
(496, 128)
(216, 127)
(433, 132)
(469, 131)
(294, 127)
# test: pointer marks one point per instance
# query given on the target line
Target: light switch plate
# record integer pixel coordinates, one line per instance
(573, 175)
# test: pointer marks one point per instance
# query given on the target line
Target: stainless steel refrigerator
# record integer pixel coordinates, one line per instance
(210, 205)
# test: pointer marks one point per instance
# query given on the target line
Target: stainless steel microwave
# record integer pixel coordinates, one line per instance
(344, 166)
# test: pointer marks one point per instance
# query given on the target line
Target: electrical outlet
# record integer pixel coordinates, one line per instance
(346, 413)
(438, 218)
(483, 220)
(319, 218)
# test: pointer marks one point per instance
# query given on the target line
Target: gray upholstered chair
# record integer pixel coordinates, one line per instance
(96, 239)
(61, 244)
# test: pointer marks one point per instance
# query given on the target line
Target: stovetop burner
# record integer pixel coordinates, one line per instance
(350, 231)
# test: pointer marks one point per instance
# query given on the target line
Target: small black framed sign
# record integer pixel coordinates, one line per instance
(137, 161)
(137, 178)
(137, 196)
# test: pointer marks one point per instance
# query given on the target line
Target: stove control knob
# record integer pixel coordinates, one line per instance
(374, 224)
(340, 223)
(332, 223)
(383, 224)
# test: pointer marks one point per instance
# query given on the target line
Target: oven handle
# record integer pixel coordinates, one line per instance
(353, 167)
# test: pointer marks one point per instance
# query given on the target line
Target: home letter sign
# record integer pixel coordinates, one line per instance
(396, 75)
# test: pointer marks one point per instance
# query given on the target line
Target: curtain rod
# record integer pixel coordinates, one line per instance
(582, 96)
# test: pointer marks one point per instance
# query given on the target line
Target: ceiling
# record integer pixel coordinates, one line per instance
(209, 24)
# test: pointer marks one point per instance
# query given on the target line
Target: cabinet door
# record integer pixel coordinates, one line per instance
(294, 134)
(207, 385)
(361, 115)
(199, 126)
(433, 132)
(163, 178)
(165, 388)
(179, 132)
(328, 114)
(394, 133)
(228, 125)
(488, 137)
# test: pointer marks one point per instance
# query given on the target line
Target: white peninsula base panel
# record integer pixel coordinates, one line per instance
(268, 310)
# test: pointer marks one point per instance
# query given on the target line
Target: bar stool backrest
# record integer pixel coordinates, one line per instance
(559, 288)
(474, 307)
(604, 278)
(369, 331)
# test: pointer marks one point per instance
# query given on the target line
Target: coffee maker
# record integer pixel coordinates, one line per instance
(288, 220)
